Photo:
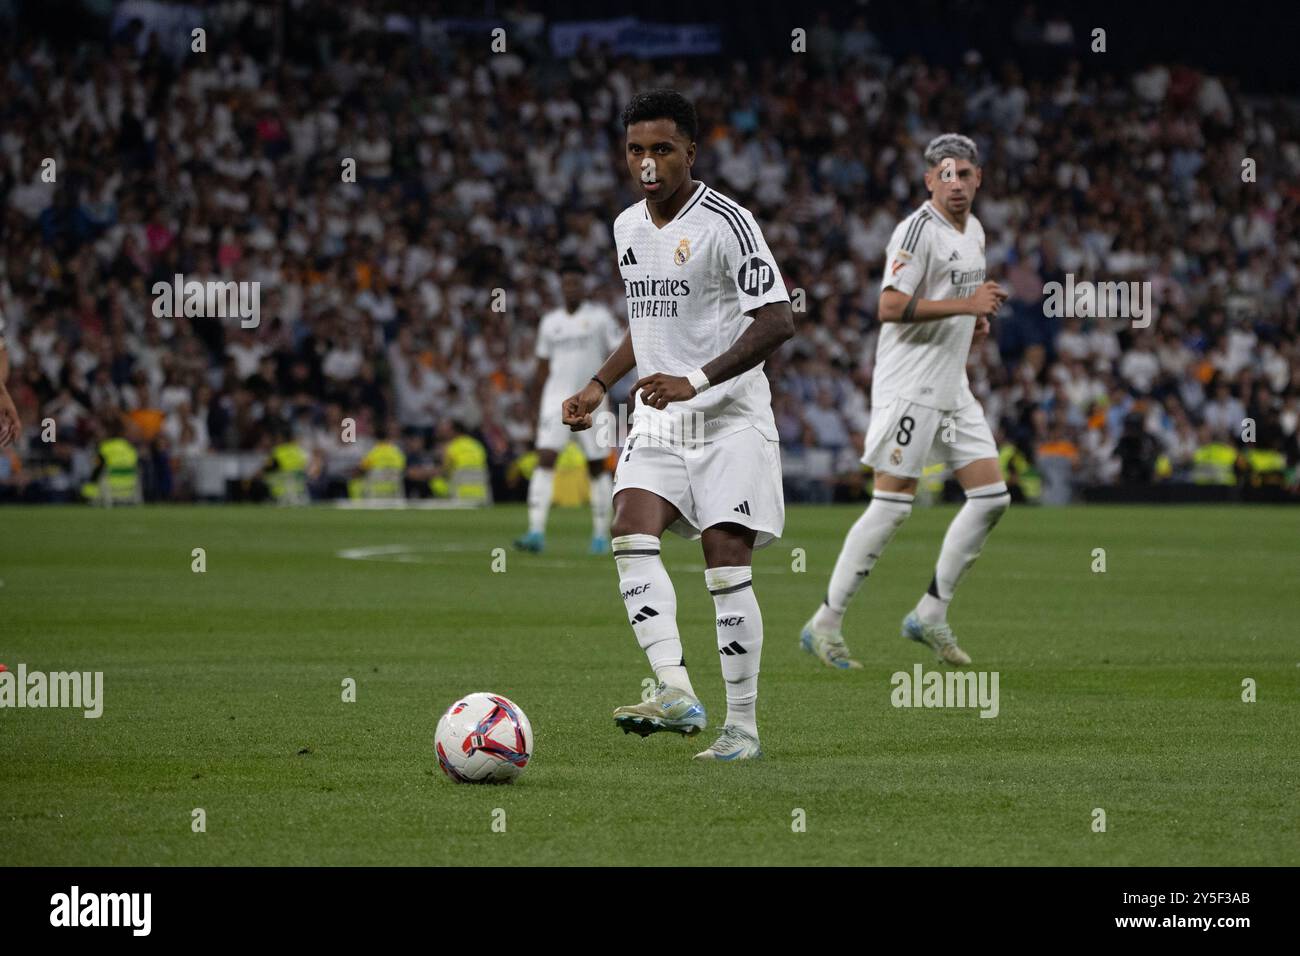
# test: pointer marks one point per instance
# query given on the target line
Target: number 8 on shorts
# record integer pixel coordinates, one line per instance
(904, 437)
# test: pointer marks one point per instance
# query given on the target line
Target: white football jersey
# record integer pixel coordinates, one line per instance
(689, 286)
(925, 362)
(576, 346)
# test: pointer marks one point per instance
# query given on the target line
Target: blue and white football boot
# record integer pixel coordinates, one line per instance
(669, 709)
(533, 541)
(938, 637)
(732, 744)
(827, 648)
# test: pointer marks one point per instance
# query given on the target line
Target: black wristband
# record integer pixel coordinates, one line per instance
(601, 384)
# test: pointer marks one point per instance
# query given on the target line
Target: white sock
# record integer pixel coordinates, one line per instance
(540, 488)
(651, 607)
(740, 641)
(863, 545)
(602, 503)
(961, 546)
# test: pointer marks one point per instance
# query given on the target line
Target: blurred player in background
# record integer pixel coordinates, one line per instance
(571, 341)
(934, 299)
(707, 305)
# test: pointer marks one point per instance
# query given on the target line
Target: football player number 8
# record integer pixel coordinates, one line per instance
(905, 426)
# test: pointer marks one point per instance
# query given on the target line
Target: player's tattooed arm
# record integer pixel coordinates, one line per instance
(773, 324)
(576, 409)
(898, 306)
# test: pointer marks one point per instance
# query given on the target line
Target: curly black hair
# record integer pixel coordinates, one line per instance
(662, 104)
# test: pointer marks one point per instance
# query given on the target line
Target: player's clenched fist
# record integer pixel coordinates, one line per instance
(658, 390)
(577, 409)
(987, 299)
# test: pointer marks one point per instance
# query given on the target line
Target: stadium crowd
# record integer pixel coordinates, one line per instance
(476, 172)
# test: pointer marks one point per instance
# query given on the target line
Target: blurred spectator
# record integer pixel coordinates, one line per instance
(1136, 450)
(382, 297)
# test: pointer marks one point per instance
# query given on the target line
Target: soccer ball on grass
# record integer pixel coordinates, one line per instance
(483, 738)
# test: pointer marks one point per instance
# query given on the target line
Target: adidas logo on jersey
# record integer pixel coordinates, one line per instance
(629, 259)
(743, 508)
(952, 258)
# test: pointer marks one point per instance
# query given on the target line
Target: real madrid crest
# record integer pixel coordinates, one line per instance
(683, 252)
(896, 456)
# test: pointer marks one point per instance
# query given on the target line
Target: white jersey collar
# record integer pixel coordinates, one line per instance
(700, 190)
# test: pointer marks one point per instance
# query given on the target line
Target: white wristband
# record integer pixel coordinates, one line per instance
(698, 380)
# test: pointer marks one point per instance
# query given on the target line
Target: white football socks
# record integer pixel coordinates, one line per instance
(651, 606)
(540, 487)
(863, 545)
(602, 503)
(740, 641)
(962, 544)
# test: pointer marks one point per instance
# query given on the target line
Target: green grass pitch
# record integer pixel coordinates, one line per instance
(223, 691)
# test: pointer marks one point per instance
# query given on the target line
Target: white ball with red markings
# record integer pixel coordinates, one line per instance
(483, 738)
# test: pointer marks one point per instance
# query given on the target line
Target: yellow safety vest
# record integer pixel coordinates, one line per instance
(1031, 482)
(572, 486)
(291, 468)
(1214, 464)
(289, 457)
(1264, 462)
(120, 459)
(931, 479)
(385, 456)
(466, 453)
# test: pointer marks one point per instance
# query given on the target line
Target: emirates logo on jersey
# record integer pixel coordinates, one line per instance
(683, 252)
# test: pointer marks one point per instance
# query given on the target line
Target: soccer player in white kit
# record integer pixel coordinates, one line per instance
(707, 305)
(570, 342)
(934, 300)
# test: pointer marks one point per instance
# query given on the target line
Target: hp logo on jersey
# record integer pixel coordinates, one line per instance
(755, 277)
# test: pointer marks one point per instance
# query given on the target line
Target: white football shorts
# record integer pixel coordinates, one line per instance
(904, 437)
(735, 479)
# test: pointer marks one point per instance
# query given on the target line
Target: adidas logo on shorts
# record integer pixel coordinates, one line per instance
(743, 508)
